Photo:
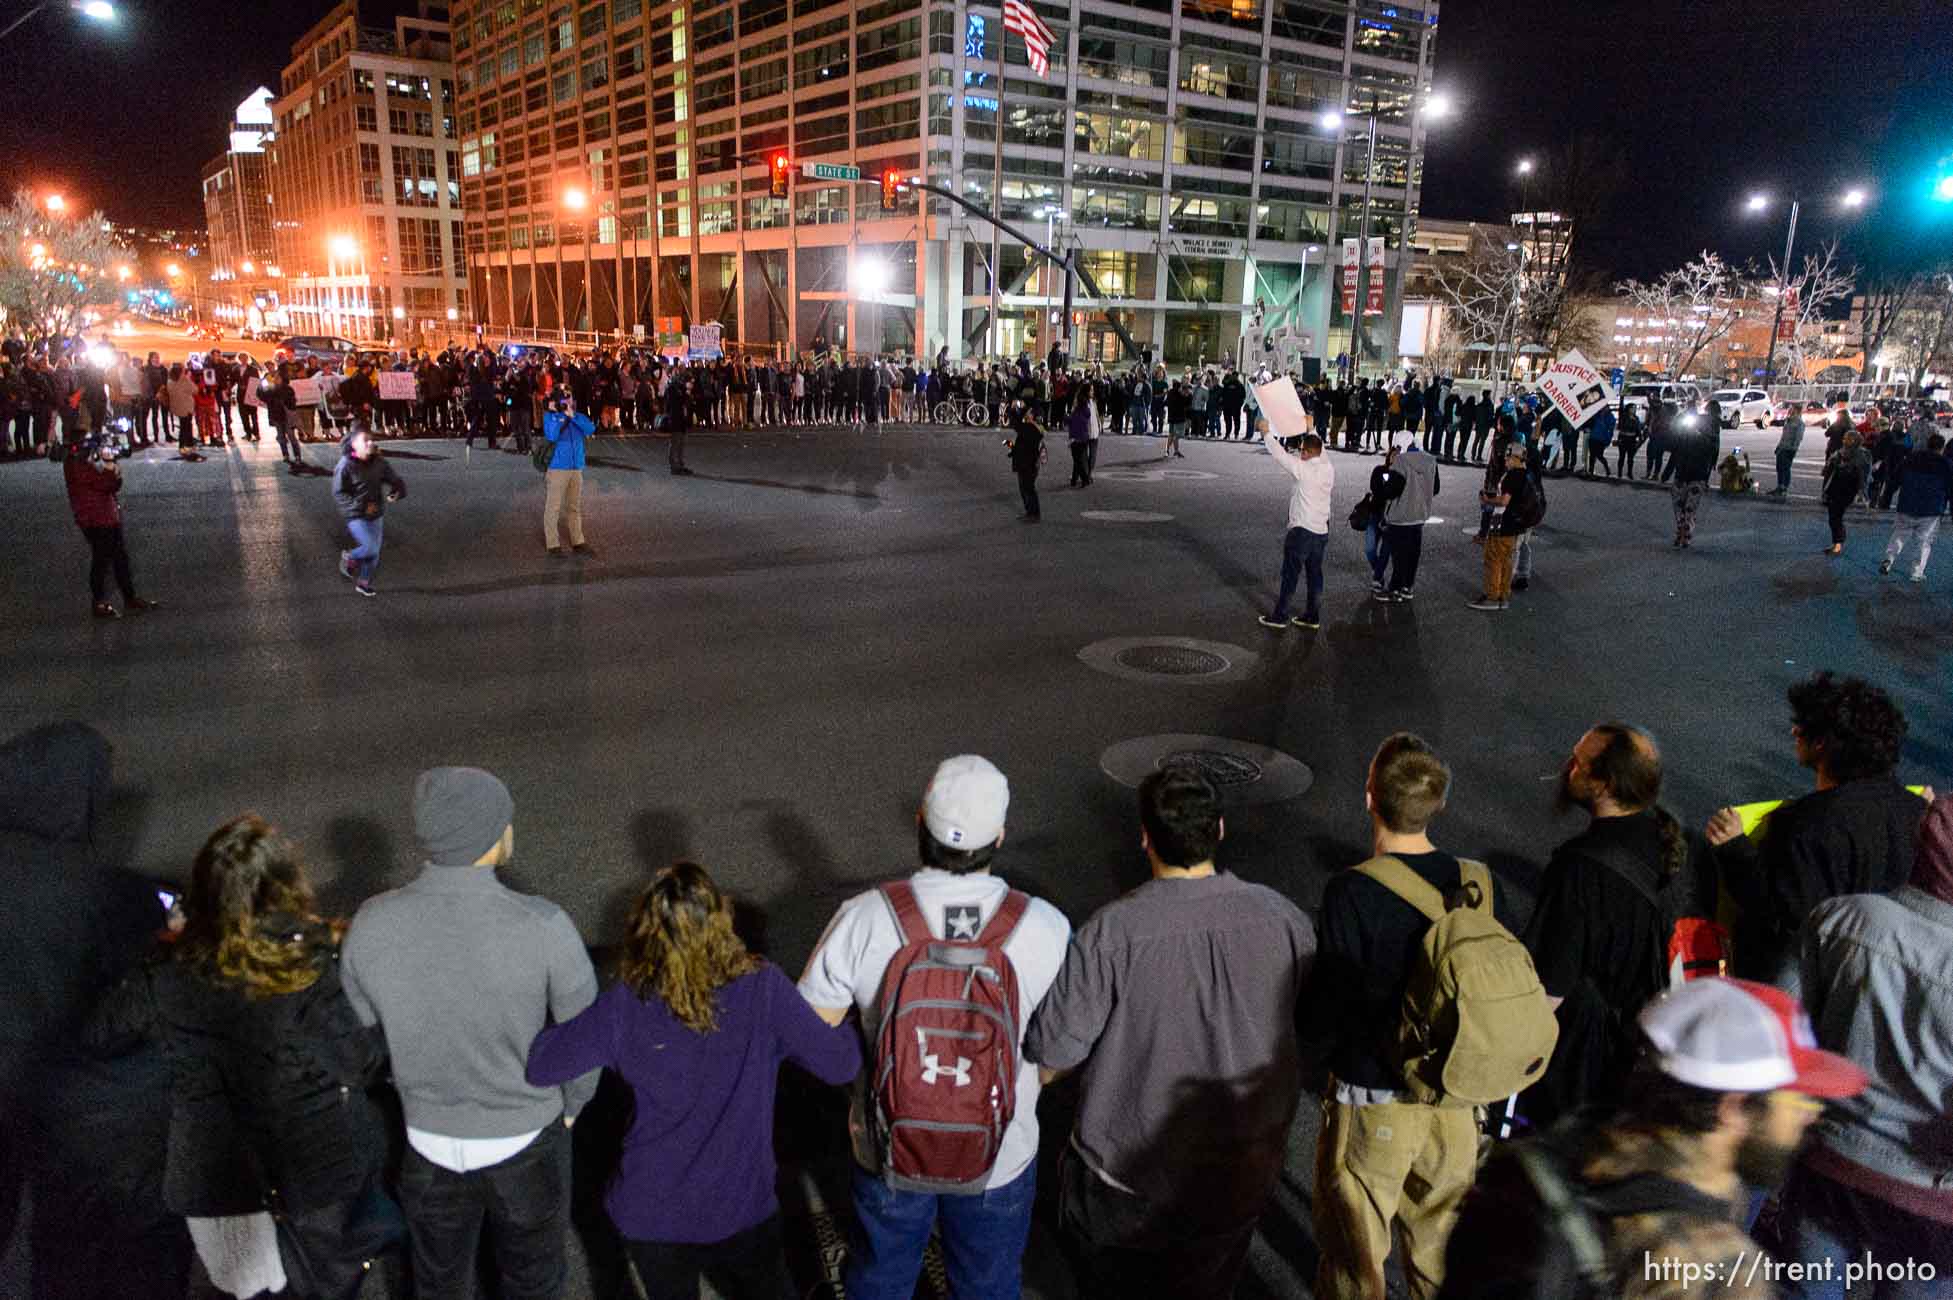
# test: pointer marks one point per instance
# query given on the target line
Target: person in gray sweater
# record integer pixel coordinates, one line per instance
(461, 973)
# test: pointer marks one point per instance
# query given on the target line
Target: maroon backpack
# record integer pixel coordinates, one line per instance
(944, 1086)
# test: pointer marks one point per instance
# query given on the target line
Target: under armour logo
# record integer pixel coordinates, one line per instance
(933, 1068)
(960, 921)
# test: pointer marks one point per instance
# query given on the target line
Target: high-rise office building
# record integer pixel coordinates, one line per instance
(615, 159)
(237, 213)
(365, 179)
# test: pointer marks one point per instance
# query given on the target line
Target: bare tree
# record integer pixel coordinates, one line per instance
(1887, 298)
(1924, 331)
(1697, 304)
(1810, 290)
(53, 269)
(1484, 293)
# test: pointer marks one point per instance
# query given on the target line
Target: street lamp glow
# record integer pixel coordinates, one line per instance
(1854, 198)
(870, 276)
(575, 199)
(454, 314)
(1525, 167)
(399, 313)
(100, 10)
(56, 203)
(1332, 120)
(1438, 105)
(344, 247)
(172, 270)
(1943, 191)
(249, 267)
(1758, 202)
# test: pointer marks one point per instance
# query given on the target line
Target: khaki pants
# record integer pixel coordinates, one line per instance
(564, 503)
(1375, 1164)
(1498, 567)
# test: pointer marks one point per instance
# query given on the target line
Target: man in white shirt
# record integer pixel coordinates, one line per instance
(958, 829)
(1308, 527)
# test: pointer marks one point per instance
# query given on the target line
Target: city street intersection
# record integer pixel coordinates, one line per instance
(762, 663)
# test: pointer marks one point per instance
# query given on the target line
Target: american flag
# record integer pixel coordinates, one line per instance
(1019, 17)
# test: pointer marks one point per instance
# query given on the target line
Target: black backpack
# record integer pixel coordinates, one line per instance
(1576, 1262)
(1530, 509)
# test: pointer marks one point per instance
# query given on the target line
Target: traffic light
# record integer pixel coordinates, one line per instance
(891, 188)
(780, 166)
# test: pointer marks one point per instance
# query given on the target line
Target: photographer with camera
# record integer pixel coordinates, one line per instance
(1026, 447)
(94, 477)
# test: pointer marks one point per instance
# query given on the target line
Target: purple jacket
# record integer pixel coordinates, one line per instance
(698, 1163)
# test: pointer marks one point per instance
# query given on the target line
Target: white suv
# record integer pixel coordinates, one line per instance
(1677, 395)
(1744, 406)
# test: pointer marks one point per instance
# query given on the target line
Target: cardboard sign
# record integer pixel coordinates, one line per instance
(671, 336)
(704, 344)
(1576, 388)
(1281, 406)
(306, 392)
(398, 385)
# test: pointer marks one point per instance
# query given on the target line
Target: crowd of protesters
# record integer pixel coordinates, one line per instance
(212, 1090)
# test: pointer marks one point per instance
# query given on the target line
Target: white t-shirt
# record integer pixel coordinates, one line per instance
(847, 968)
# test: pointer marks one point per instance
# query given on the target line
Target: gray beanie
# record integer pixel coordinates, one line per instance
(459, 814)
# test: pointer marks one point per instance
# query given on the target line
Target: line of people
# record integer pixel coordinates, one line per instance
(1664, 1078)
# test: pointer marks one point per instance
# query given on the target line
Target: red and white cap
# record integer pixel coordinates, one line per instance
(1737, 1036)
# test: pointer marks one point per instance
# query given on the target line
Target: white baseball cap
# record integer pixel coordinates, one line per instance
(1737, 1036)
(965, 802)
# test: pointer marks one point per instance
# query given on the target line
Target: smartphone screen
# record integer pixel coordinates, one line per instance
(167, 898)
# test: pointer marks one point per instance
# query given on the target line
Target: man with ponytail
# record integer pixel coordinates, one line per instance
(1599, 936)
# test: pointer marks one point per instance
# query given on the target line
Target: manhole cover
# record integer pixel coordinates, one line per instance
(1241, 771)
(1178, 659)
(1127, 516)
(1172, 660)
(1223, 770)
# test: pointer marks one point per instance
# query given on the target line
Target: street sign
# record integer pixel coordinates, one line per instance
(814, 171)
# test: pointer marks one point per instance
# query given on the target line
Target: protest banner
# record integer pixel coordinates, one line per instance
(1576, 388)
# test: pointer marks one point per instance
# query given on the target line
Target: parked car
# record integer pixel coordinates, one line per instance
(327, 348)
(1679, 394)
(1744, 406)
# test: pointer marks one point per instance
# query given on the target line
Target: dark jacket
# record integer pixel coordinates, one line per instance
(75, 928)
(92, 492)
(266, 1094)
(1694, 449)
(1026, 442)
(1924, 483)
(359, 484)
(1855, 838)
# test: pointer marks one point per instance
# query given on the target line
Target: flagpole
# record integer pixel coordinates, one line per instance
(997, 204)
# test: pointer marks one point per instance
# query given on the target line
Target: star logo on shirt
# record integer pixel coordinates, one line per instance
(961, 921)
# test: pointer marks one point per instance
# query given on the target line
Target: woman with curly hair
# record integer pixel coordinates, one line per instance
(268, 1074)
(697, 1026)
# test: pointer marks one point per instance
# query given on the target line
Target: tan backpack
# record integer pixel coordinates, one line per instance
(1476, 1024)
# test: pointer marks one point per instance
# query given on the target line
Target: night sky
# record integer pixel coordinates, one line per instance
(1707, 101)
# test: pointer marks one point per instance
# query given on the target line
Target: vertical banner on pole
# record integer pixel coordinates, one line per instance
(1373, 304)
(1349, 277)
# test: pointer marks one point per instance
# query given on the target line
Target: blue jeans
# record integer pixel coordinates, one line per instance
(983, 1239)
(1138, 414)
(1376, 549)
(1820, 1219)
(365, 554)
(1301, 550)
(1784, 461)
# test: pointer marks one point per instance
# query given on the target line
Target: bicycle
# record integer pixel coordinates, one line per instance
(975, 414)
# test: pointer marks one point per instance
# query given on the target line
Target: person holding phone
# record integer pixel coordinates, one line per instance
(94, 479)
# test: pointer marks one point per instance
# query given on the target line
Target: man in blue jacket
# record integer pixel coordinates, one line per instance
(565, 428)
(1925, 480)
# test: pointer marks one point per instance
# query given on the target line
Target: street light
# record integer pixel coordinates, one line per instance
(1851, 199)
(1436, 105)
(1525, 167)
(1943, 190)
(249, 267)
(56, 204)
(100, 11)
(575, 199)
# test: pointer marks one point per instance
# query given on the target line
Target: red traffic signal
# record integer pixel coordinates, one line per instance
(891, 188)
(780, 169)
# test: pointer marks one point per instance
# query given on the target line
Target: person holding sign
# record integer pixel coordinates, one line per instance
(1307, 537)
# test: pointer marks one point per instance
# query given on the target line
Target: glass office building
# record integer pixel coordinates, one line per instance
(615, 167)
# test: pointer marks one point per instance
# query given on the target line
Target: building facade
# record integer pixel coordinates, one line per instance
(365, 180)
(615, 160)
(237, 213)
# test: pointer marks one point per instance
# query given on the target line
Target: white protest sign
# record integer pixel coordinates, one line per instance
(1281, 406)
(305, 392)
(705, 343)
(397, 385)
(1576, 388)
